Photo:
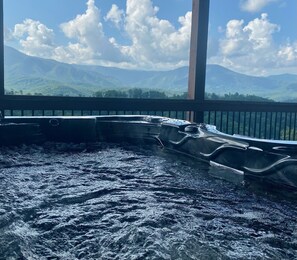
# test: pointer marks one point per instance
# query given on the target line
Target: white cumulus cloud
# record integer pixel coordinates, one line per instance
(115, 15)
(235, 38)
(149, 43)
(35, 37)
(250, 48)
(90, 42)
(155, 42)
(260, 32)
(254, 5)
(288, 53)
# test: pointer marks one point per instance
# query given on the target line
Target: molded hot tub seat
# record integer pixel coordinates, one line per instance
(13, 134)
(134, 129)
(63, 128)
(266, 160)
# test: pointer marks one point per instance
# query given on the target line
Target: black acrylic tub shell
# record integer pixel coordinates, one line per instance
(268, 160)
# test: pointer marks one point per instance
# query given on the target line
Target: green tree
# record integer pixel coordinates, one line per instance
(115, 94)
(135, 93)
(98, 94)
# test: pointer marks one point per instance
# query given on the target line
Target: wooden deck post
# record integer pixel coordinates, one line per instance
(198, 53)
(1, 56)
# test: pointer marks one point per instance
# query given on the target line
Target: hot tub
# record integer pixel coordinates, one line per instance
(267, 161)
(129, 188)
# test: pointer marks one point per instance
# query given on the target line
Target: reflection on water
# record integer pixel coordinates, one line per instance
(124, 202)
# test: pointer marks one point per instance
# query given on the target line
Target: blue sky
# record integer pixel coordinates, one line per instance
(256, 37)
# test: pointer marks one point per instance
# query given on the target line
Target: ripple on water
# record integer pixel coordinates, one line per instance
(63, 201)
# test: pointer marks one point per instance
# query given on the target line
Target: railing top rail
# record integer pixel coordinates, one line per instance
(87, 103)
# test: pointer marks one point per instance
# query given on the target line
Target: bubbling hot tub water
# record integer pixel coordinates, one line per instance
(107, 201)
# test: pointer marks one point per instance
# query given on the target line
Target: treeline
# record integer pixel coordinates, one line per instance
(138, 93)
(155, 94)
(236, 97)
(21, 92)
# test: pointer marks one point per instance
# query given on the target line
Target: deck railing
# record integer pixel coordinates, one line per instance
(270, 120)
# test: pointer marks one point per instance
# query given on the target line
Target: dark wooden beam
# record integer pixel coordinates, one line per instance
(198, 53)
(14, 102)
(1, 50)
(1, 55)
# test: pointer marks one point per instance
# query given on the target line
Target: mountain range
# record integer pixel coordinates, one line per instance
(27, 74)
